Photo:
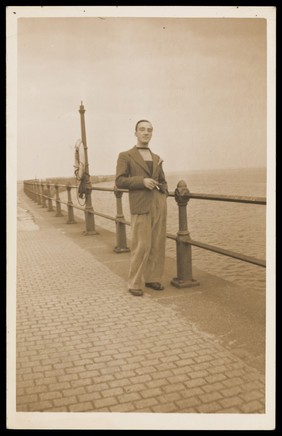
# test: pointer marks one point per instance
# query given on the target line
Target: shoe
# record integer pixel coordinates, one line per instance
(155, 285)
(136, 292)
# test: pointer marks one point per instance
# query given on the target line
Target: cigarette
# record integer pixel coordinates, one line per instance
(158, 188)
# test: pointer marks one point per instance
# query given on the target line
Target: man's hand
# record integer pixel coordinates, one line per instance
(150, 183)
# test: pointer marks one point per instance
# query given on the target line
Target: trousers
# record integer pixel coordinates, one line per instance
(148, 240)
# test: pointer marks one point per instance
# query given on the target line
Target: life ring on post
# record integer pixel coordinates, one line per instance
(79, 168)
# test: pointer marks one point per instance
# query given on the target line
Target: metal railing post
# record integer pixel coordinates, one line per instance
(37, 196)
(43, 195)
(39, 200)
(89, 213)
(50, 205)
(28, 189)
(33, 191)
(58, 204)
(184, 277)
(71, 219)
(121, 246)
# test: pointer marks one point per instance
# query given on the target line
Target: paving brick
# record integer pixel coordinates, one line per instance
(252, 375)
(39, 406)
(104, 402)
(112, 392)
(192, 392)
(23, 371)
(103, 378)
(103, 359)
(200, 366)
(59, 386)
(91, 354)
(134, 388)
(74, 391)
(188, 402)
(166, 359)
(68, 377)
(218, 369)
(125, 355)
(208, 398)
(97, 387)
(174, 387)
(113, 370)
(178, 378)
(62, 365)
(167, 398)
(213, 407)
(156, 383)
(159, 348)
(204, 358)
(45, 380)
(233, 382)
(81, 407)
(87, 374)
(198, 374)
(215, 378)
(229, 392)
(91, 396)
(50, 395)
(195, 382)
(73, 370)
(25, 384)
(125, 407)
(54, 372)
(64, 401)
(253, 385)
(235, 373)
(36, 389)
(81, 382)
(251, 395)
(140, 378)
(20, 391)
(252, 407)
(57, 409)
(230, 410)
(162, 374)
(25, 399)
(148, 402)
(125, 398)
(165, 408)
(145, 370)
(230, 402)
(214, 387)
(221, 361)
(151, 392)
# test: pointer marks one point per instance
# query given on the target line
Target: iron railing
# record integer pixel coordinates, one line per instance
(40, 192)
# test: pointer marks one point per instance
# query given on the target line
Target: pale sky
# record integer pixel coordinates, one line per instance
(200, 81)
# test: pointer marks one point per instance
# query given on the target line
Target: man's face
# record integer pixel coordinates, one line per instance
(144, 132)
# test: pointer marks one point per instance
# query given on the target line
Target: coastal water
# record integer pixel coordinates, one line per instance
(233, 226)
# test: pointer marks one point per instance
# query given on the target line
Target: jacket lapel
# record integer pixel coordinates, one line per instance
(134, 153)
(155, 164)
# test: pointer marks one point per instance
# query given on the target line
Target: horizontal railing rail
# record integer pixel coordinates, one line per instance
(41, 193)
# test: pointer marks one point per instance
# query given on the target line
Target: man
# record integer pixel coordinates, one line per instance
(140, 171)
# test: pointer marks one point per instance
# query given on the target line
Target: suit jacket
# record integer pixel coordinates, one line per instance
(130, 171)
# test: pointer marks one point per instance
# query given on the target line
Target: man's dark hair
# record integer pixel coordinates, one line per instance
(141, 121)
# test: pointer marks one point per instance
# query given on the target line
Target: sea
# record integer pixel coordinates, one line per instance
(233, 226)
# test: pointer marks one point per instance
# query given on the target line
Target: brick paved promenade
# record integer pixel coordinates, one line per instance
(84, 344)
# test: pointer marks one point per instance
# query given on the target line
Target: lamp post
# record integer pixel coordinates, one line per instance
(89, 211)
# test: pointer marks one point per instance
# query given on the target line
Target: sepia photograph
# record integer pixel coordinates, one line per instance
(141, 217)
